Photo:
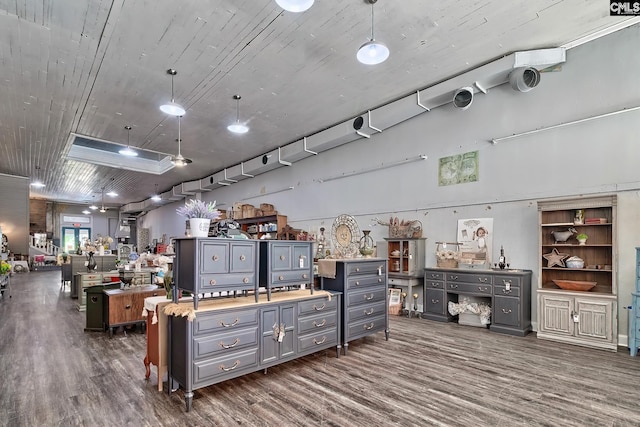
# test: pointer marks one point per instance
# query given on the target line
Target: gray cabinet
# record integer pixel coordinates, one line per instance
(285, 263)
(227, 340)
(364, 285)
(406, 268)
(207, 265)
(508, 292)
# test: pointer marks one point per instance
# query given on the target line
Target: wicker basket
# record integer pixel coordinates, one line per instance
(410, 230)
(447, 263)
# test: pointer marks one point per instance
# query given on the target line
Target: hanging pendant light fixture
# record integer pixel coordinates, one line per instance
(102, 208)
(128, 151)
(172, 108)
(37, 183)
(179, 160)
(237, 127)
(156, 197)
(295, 5)
(372, 52)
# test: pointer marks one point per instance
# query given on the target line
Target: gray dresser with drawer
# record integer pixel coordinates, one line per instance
(227, 342)
(207, 265)
(363, 283)
(508, 292)
(286, 263)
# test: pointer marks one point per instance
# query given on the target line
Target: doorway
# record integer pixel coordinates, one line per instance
(72, 237)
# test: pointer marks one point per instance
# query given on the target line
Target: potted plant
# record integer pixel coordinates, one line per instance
(200, 215)
(582, 238)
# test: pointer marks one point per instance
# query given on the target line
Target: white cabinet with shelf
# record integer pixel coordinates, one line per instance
(586, 318)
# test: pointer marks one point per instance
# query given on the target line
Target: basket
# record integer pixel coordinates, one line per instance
(395, 310)
(413, 230)
(447, 263)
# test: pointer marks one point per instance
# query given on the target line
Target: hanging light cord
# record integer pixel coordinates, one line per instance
(172, 97)
(237, 109)
(179, 153)
(372, 38)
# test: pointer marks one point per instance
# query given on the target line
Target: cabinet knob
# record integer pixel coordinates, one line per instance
(282, 257)
(215, 257)
(242, 257)
(212, 281)
(128, 306)
(245, 280)
(357, 269)
(357, 283)
(304, 276)
(94, 299)
(280, 277)
(379, 280)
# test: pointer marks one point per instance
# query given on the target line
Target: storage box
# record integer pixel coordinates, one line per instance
(248, 211)
(470, 319)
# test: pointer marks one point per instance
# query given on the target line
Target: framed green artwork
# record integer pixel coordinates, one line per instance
(458, 169)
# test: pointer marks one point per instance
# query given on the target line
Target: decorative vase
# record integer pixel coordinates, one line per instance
(91, 263)
(582, 242)
(199, 227)
(366, 244)
(101, 250)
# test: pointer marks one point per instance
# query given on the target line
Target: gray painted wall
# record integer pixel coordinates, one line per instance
(14, 212)
(597, 156)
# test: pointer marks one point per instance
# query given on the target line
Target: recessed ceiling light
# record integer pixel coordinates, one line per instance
(112, 194)
(86, 212)
(93, 207)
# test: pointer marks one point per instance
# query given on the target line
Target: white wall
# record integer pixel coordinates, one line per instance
(597, 156)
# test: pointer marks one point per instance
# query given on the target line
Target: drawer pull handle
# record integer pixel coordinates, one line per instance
(434, 285)
(304, 276)
(228, 325)
(245, 280)
(155, 294)
(434, 276)
(358, 269)
(242, 257)
(368, 313)
(231, 368)
(128, 306)
(369, 326)
(215, 257)
(482, 279)
(280, 277)
(322, 307)
(506, 311)
(94, 299)
(321, 324)
(505, 291)
(453, 286)
(324, 338)
(235, 343)
(435, 301)
(483, 288)
(454, 277)
(282, 257)
(212, 281)
(369, 297)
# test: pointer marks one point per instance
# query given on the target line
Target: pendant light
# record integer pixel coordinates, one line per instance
(237, 127)
(372, 52)
(102, 208)
(37, 183)
(178, 160)
(172, 108)
(295, 5)
(156, 197)
(128, 151)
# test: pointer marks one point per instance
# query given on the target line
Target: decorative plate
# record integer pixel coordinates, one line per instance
(345, 236)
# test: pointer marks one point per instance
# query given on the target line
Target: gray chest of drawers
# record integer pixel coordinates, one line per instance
(508, 292)
(206, 265)
(285, 263)
(364, 287)
(227, 342)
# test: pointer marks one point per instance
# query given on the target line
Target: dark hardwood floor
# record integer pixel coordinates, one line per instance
(52, 373)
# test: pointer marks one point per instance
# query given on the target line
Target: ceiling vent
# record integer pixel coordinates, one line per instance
(105, 153)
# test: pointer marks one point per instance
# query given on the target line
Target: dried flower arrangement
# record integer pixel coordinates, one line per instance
(199, 209)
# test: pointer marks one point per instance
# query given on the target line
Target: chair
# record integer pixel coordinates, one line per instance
(66, 276)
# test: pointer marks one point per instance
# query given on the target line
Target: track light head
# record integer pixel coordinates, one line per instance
(523, 79)
(463, 97)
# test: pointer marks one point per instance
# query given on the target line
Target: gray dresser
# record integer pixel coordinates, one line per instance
(364, 285)
(285, 263)
(226, 341)
(103, 263)
(207, 265)
(507, 291)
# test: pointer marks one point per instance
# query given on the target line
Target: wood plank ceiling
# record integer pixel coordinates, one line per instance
(92, 67)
